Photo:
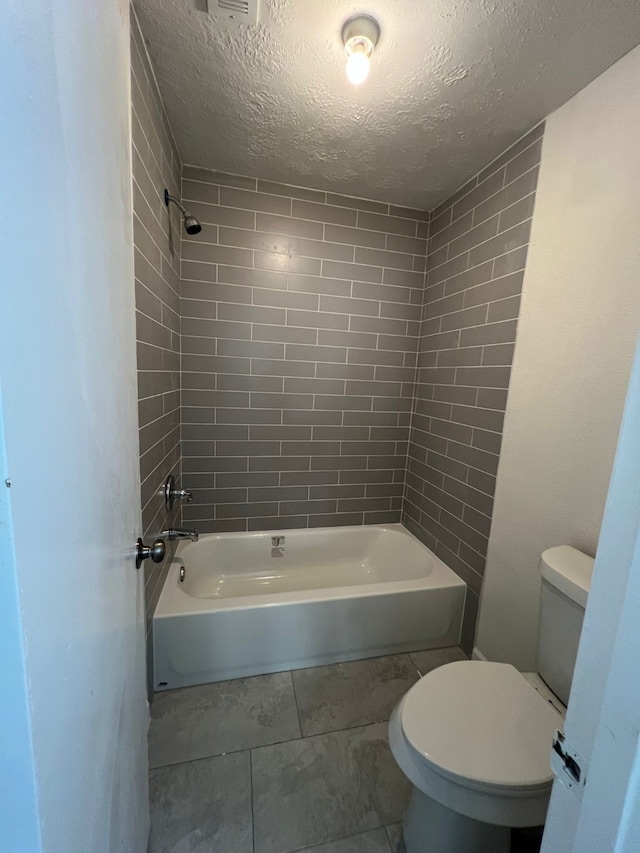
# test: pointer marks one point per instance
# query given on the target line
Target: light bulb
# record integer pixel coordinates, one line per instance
(360, 36)
(357, 66)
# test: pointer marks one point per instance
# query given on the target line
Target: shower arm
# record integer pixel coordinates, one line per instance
(168, 197)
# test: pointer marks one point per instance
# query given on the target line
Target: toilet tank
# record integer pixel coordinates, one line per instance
(566, 578)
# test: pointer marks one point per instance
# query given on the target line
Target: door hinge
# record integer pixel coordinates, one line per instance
(567, 764)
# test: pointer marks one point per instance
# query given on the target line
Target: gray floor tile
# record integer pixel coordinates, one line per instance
(429, 659)
(326, 787)
(366, 842)
(394, 833)
(196, 722)
(202, 806)
(357, 693)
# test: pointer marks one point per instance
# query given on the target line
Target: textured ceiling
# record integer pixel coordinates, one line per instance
(452, 84)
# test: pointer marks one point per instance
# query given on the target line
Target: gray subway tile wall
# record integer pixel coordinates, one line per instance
(156, 165)
(477, 249)
(300, 320)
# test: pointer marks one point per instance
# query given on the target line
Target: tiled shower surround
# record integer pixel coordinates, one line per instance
(302, 315)
(343, 361)
(300, 322)
(156, 230)
(475, 266)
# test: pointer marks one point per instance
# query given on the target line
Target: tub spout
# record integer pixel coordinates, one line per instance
(180, 533)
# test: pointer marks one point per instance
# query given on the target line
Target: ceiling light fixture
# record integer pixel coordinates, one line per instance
(360, 35)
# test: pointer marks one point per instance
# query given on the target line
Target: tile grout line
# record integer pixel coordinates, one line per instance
(383, 827)
(415, 666)
(295, 699)
(253, 816)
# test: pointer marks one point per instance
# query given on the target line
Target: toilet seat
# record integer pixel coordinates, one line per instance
(476, 737)
(483, 725)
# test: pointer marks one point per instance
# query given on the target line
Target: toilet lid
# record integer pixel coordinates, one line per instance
(481, 723)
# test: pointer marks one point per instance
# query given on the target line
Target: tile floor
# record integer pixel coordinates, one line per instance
(285, 762)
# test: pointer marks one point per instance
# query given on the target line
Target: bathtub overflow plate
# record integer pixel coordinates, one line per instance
(277, 546)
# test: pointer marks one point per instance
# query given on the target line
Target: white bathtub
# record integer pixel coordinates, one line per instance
(246, 607)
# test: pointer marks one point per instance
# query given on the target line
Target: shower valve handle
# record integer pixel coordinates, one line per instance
(171, 493)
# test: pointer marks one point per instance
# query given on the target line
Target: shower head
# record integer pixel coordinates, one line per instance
(191, 224)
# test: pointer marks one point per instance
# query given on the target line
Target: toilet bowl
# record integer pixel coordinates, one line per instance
(474, 737)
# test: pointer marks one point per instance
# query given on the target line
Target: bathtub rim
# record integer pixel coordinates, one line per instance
(174, 601)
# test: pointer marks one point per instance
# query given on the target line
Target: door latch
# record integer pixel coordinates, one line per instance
(567, 763)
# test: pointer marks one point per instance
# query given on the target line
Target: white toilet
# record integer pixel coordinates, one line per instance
(474, 737)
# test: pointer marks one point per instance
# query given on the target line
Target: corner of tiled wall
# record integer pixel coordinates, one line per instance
(157, 230)
(478, 241)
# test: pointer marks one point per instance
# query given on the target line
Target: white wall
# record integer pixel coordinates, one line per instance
(71, 624)
(576, 337)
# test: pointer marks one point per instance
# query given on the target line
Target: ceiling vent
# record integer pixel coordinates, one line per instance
(234, 12)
